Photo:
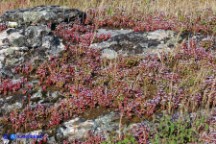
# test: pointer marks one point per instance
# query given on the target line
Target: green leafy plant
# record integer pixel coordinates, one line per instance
(182, 130)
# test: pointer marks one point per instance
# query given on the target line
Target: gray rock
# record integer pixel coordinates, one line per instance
(5, 73)
(49, 98)
(53, 44)
(75, 129)
(106, 124)
(9, 107)
(109, 54)
(79, 129)
(43, 15)
(12, 37)
(11, 56)
(130, 43)
(160, 35)
(51, 140)
(113, 33)
(31, 37)
(34, 35)
(33, 44)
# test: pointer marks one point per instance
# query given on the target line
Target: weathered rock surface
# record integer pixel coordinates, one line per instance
(32, 42)
(79, 128)
(109, 54)
(35, 43)
(31, 37)
(129, 43)
(43, 15)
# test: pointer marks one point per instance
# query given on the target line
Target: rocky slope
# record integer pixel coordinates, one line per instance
(32, 37)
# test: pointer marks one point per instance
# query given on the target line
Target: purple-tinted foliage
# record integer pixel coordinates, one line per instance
(136, 87)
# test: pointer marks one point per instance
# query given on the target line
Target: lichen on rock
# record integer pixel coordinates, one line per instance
(43, 15)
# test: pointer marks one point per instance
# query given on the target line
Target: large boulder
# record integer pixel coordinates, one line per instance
(43, 15)
(15, 43)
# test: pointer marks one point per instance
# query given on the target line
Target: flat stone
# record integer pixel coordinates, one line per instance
(127, 42)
